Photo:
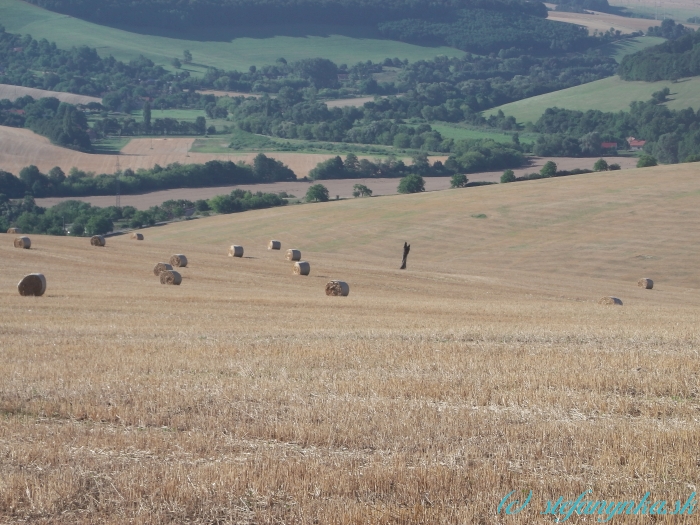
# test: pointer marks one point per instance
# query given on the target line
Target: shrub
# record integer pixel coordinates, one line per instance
(646, 161)
(411, 184)
(508, 176)
(459, 180)
(600, 165)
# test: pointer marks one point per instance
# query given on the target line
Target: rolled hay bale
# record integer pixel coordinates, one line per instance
(293, 255)
(32, 284)
(235, 251)
(301, 268)
(137, 236)
(178, 260)
(274, 245)
(610, 301)
(337, 289)
(23, 242)
(161, 267)
(170, 277)
(645, 283)
(97, 240)
(14, 231)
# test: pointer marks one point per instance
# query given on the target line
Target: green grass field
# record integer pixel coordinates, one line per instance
(618, 50)
(609, 94)
(451, 131)
(230, 49)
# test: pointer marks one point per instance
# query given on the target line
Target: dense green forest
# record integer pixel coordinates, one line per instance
(80, 183)
(672, 136)
(480, 82)
(671, 60)
(180, 14)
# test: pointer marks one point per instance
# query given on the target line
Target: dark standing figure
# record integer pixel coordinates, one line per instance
(406, 249)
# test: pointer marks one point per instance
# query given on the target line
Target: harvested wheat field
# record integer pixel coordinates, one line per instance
(246, 395)
(8, 91)
(20, 147)
(604, 21)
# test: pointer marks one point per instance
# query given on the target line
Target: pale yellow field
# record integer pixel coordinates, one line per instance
(604, 21)
(21, 147)
(246, 395)
(14, 92)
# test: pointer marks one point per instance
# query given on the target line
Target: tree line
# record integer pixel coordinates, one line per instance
(671, 60)
(176, 14)
(78, 218)
(671, 135)
(79, 183)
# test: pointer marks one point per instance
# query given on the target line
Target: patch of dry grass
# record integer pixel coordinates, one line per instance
(246, 395)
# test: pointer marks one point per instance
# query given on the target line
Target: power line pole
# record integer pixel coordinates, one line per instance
(119, 197)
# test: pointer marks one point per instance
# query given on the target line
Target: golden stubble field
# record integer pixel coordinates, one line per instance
(246, 395)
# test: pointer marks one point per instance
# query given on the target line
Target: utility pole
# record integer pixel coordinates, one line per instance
(119, 197)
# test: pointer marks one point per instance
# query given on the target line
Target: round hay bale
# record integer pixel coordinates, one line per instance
(301, 268)
(645, 283)
(610, 301)
(137, 236)
(293, 255)
(32, 284)
(274, 245)
(235, 251)
(337, 289)
(97, 240)
(178, 261)
(23, 242)
(161, 267)
(170, 277)
(14, 231)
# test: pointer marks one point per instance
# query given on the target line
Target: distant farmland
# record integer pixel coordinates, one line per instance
(224, 49)
(609, 94)
(14, 92)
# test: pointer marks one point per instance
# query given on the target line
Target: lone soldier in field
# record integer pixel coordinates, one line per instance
(406, 249)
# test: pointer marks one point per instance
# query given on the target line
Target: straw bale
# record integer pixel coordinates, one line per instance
(161, 267)
(137, 236)
(178, 260)
(274, 245)
(645, 283)
(14, 231)
(170, 277)
(293, 255)
(610, 301)
(302, 268)
(337, 289)
(235, 251)
(23, 242)
(97, 240)
(32, 284)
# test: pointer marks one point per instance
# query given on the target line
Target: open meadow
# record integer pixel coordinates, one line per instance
(609, 94)
(229, 49)
(246, 395)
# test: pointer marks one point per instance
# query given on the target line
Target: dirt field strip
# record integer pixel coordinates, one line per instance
(604, 21)
(10, 92)
(341, 187)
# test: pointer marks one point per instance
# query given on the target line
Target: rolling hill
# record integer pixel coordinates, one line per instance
(247, 395)
(222, 49)
(609, 94)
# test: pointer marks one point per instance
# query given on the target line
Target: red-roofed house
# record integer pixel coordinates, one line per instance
(636, 145)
